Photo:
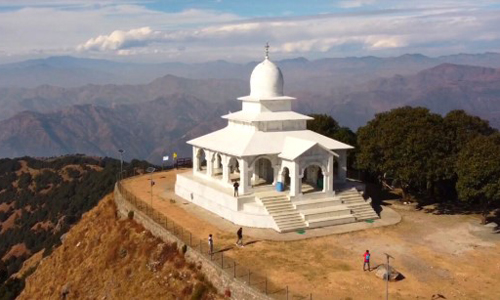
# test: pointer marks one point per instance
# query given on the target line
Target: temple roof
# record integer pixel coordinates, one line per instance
(266, 116)
(237, 142)
(295, 147)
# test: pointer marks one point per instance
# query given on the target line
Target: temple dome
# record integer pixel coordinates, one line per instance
(266, 81)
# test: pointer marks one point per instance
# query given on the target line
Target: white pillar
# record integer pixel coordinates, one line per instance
(328, 176)
(210, 165)
(295, 180)
(244, 176)
(225, 168)
(342, 165)
(276, 175)
(196, 161)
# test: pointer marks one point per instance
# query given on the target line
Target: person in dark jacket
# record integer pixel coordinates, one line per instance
(239, 233)
(236, 185)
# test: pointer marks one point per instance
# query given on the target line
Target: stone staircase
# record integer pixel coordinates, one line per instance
(285, 215)
(362, 210)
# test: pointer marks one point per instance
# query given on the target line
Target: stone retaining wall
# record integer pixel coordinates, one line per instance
(221, 280)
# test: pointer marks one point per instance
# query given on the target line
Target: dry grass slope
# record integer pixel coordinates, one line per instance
(103, 257)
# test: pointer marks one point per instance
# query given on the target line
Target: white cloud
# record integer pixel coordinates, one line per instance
(119, 40)
(354, 3)
(133, 31)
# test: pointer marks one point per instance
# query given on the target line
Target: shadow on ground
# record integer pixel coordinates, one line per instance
(378, 194)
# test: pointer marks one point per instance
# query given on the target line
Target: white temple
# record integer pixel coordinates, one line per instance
(287, 174)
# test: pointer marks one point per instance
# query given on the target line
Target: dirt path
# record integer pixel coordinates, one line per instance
(451, 255)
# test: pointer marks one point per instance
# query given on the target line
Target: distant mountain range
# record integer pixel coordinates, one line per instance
(150, 120)
(145, 130)
(48, 98)
(67, 71)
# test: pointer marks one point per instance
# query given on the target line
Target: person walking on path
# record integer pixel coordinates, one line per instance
(239, 233)
(236, 185)
(367, 261)
(210, 244)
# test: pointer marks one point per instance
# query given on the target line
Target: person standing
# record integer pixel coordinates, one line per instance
(239, 233)
(236, 185)
(367, 261)
(210, 244)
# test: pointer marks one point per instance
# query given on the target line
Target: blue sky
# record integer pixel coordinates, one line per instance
(194, 31)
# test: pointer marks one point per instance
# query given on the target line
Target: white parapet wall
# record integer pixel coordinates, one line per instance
(244, 211)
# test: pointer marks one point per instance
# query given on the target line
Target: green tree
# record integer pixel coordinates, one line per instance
(408, 145)
(323, 124)
(478, 171)
(327, 126)
(462, 128)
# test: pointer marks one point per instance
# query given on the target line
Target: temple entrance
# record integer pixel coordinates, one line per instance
(313, 179)
(286, 178)
(263, 172)
(335, 168)
(202, 160)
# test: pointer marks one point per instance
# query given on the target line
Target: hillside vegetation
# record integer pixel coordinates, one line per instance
(103, 257)
(40, 199)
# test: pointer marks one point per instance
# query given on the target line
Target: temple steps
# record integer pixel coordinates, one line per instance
(283, 212)
(316, 203)
(346, 207)
(325, 212)
(329, 221)
(361, 208)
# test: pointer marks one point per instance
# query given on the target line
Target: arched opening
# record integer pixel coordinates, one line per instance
(286, 178)
(313, 179)
(217, 165)
(234, 169)
(335, 168)
(263, 172)
(202, 161)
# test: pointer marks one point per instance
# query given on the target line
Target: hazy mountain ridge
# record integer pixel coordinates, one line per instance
(69, 71)
(441, 89)
(48, 98)
(154, 119)
(147, 130)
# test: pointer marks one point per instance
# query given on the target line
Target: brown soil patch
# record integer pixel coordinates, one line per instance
(5, 207)
(451, 255)
(16, 250)
(10, 221)
(46, 225)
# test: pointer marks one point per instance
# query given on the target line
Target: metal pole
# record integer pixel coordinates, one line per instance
(121, 163)
(266, 286)
(287, 292)
(387, 273)
(387, 281)
(151, 183)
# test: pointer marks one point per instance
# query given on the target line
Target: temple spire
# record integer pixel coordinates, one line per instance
(267, 50)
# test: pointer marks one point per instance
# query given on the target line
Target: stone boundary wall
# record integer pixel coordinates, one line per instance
(221, 280)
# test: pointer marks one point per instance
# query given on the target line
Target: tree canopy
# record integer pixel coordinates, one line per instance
(478, 171)
(408, 145)
(426, 154)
